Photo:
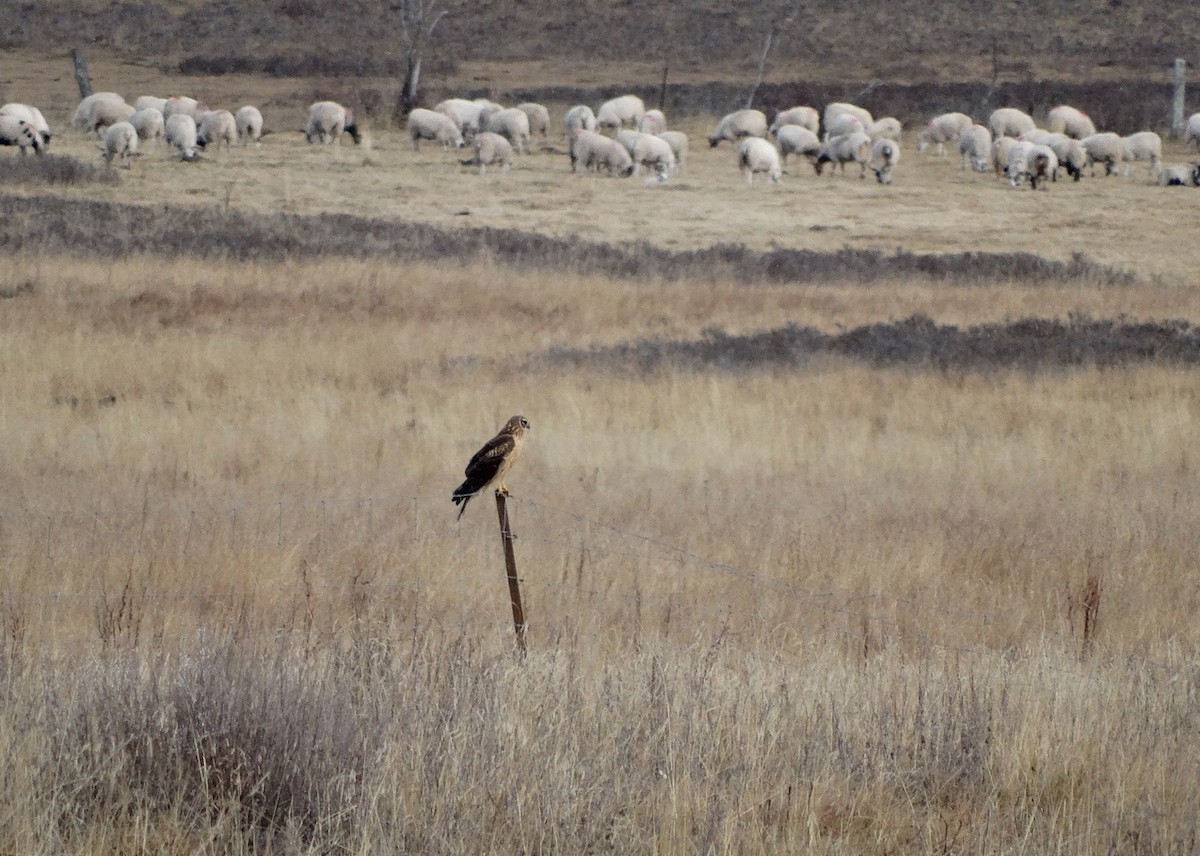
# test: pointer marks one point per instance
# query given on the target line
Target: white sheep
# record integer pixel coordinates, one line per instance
(803, 116)
(1105, 147)
(1071, 121)
(144, 101)
(1179, 176)
(1001, 149)
(425, 124)
(181, 135)
(1191, 132)
(18, 132)
(539, 118)
(120, 141)
(620, 111)
(942, 129)
(741, 123)
(491, 149)
(841, 108)
(149, 124)
(486, 108)
(1068, 150)
(34, 117)
(655, 154)
(653, 122)
(249, 121)
(842, 125)
(851, 148)
(1009, 122)
(598, 152)
(511, 123)
(757, 155)
(579, 118)
(100, 110)
(797, 140)
(1033, 161)
(975, 147)
(464, 114)
(1142, 146)
(887, 128)
(678, 141)
(327, 121)
(216, 127)
(185, 105)
(885, 154)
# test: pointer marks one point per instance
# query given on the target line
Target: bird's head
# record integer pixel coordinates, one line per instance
(517, 424)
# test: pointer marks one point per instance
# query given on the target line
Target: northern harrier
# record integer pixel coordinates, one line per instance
(491, 463)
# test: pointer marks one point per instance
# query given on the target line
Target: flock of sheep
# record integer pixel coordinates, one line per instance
(622, 136)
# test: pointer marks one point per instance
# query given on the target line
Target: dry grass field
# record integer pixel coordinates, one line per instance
(821, 602)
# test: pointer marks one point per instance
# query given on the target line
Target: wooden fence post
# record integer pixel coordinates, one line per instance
(1177, 101)
(82, 79)
(510, 568)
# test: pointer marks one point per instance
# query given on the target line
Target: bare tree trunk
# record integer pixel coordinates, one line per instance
(762, 66)
(82, 79)
(409, 89)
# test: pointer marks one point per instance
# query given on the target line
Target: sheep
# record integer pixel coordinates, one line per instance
(757, 155)
(797, 140)
(628, 139)
(1033, 161)
(842, 125)
(620, 111)
(841, 108)
(943, 129)
(491, 149)
(655, 154)
(149, 124)
(1191, 133)
(425, 124)
(539, 118)
(181, 134)
(653, 122)
(839, 151)
(1179, 176)
(18, 132)
(1105, 147)
(120, 141)
(216, 127)
(579, 118)
(186, 105)
(464, 114)
(1064, 119)
(1001, 149)
(144, 101)
(887, 128)
(1009, 122)
(511, 123)
(678, 141)
(34, 117)
(742, 123)
(100, 110)
(249, 122)
(805, 117)
(1144, 145)
(885, 154)
(1069, 152)
(327, 121)
(596, 151)
(975, 147)
(486, 108)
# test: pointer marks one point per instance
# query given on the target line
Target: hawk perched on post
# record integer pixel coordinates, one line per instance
(492, 462)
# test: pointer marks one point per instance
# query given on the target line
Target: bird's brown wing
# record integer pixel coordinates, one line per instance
(485, 464)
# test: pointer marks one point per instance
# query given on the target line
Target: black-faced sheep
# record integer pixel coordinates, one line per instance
(327, 121)
(839, 151)
(795, 140)
(885, 154)
(216, 127)
(1106, 148)
(739, 124)
(1179, 176)
(757, 155)
(1034, 161)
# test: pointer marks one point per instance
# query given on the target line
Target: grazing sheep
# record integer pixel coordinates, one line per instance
(943, 129)
(757, 155)
(511, 123)
(678, 141)
(185, 105)
(840, 151)
(18, 132)
(1033, 161)
(144, 101)
(1191, 132)
(1064, 119)
(796, 140)
(1009, 122)
(249, 121)
(885, 154)
(655, 154)
(464, 114)
(425, 124)
(1142, 146)
(100, 110)
(620, 111)
(327, 121)
(975, 147)
(887, 128)
(842, 125)
(579, 118)
(1179, 176)
(1001, 149)
(181, 134)
(742, 123)
(1105, 147)
(120, 141)
(804, 117)
(216, 127)
(628, 139)
(841, 108)
(34, 117)
(486, 108)
(149, 124)
(1069, 152)
(539, 118)
(491, 149)
(653, 122)
(598, 152)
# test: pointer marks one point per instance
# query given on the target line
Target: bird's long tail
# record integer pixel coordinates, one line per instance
(460, 498)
